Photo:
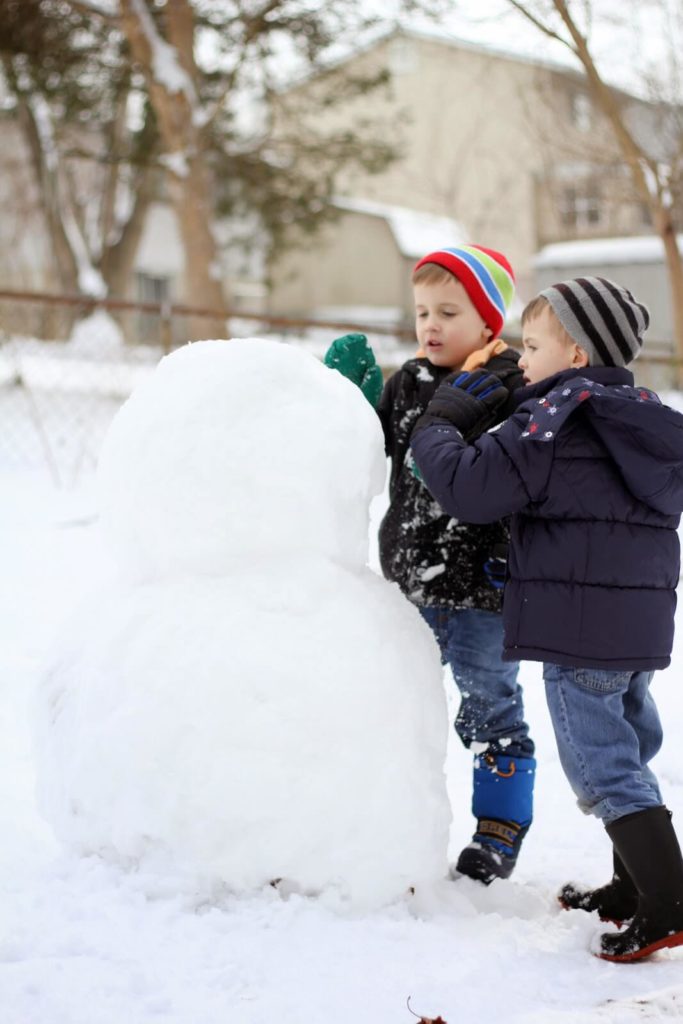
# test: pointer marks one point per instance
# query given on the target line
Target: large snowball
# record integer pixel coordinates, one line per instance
(288, 723)
(232, 450)
(253, 703)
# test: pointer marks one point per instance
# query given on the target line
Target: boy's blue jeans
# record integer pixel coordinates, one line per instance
(607, 729)
(492, 707)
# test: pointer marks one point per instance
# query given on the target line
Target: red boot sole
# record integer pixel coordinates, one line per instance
(628, 958)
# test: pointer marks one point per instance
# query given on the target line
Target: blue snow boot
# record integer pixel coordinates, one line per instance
(502, 803)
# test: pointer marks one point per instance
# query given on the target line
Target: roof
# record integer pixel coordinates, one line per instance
(598, 251)
(415, 231)
(534, 56)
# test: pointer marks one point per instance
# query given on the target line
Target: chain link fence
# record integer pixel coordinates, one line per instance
(67, 364)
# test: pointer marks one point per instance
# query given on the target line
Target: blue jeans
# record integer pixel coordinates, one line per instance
(492, 707)
(607, 730)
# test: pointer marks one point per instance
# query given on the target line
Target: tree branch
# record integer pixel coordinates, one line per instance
(526, 13)
(90, 10)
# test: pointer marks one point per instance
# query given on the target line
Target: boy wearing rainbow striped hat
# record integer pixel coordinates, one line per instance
(454, 571)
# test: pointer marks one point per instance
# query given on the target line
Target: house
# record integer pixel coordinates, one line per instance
(357, 267)
(639, 265)
(29, 258)
(510, 149)
(494, 148)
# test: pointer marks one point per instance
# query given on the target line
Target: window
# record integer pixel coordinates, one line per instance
(402, 56)
(581, 208)
(582, 114)
(151, 289)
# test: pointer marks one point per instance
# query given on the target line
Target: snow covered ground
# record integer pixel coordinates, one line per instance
(85, 942)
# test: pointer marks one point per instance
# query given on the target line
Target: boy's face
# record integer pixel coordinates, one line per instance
(447, 325)
(547, 350)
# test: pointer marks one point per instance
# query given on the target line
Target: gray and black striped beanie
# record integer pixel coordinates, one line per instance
(601, 317)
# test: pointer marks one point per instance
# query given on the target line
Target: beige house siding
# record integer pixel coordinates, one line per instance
(462, 135)
(638, 264)
(457, 117)
(511, 149)
(353, 262)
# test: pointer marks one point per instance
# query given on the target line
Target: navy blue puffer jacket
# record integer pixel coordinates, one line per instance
(591, 470)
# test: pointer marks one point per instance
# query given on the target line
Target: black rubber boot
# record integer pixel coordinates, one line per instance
(648, 847)
(616, 902)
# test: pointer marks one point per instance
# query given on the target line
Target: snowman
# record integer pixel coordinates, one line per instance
(248, 703)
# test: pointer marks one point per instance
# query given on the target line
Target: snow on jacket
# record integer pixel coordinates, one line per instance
(435, 558)
(591, 470)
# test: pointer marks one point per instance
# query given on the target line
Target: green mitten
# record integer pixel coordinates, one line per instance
(355, 360)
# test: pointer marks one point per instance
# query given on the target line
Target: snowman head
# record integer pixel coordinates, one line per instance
(238, 451)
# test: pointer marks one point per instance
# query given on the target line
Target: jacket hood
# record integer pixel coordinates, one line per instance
(643, 437)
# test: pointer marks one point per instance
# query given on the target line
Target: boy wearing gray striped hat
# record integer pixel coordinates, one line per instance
(590, 469)
(600, 319)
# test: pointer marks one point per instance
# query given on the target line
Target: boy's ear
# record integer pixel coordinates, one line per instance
(579, 357)
(488, 333)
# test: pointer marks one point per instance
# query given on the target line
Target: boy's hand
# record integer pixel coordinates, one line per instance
(355, 360)
(470, 401)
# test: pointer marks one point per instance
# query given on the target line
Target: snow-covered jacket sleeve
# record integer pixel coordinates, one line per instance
(495, 476)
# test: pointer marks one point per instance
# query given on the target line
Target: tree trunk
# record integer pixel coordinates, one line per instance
(651, 193)
(65, 265)
(174, 100)
(674, 269)
(192, 203)
(118, 259)
(56, 321)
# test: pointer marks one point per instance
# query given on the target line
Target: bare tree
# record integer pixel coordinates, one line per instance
(188, 70)
(78, 68)
(69, 89)
(657, 177)
(171, 77)
(221, 164)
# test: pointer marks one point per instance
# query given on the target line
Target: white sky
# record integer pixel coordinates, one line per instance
(629, 37)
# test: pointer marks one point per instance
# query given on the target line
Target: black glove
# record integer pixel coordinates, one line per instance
(470, 401)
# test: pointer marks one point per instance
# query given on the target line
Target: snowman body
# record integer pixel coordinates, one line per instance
(250, 702)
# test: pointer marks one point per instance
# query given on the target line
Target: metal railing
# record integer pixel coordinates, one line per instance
(65, 369)
(168, 315)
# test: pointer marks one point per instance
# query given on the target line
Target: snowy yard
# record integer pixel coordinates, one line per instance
(87, 942)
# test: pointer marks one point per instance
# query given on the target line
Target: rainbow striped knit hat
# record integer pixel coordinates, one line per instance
(486, 276)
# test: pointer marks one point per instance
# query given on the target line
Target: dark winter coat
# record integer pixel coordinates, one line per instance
(436, 559)
(592, 475)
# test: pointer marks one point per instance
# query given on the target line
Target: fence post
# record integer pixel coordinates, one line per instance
(165, 326)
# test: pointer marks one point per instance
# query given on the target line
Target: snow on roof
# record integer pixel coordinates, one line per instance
(415, 231)
(521, 48)
(518, 47)
(642, 249)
